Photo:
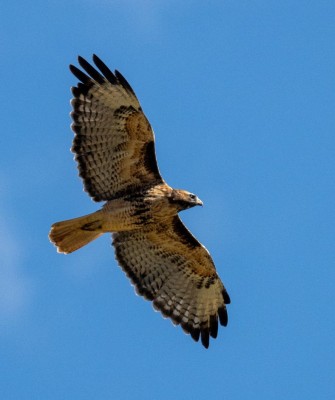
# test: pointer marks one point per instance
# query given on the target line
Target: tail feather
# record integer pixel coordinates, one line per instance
(73, 234)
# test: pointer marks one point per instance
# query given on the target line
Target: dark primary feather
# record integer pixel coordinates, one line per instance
(80, 75)
(90, 70)
(124, 82)
(108, 74)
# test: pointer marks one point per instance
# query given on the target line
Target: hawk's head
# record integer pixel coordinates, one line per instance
(184, 200)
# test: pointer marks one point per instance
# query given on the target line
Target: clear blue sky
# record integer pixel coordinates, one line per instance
(241, 95)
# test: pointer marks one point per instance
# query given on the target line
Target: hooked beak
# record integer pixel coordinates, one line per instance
(199, 202)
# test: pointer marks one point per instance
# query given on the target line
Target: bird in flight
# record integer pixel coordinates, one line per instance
(115, 151)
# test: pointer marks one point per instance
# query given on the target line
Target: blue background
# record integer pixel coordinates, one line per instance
(241, 95)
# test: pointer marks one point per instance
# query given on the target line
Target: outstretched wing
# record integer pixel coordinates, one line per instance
(170, 267)
(114, 143)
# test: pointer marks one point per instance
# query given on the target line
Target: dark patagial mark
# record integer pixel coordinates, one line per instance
(184, 234)
(150, 162)
(124, 82)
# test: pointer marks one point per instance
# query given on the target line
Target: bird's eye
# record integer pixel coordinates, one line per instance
(193, 196)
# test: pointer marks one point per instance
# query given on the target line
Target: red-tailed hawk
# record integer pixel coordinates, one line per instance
(115, 151)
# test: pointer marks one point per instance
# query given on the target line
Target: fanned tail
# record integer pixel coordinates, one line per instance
(73, 234)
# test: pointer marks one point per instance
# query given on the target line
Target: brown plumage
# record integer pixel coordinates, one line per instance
(115, 151)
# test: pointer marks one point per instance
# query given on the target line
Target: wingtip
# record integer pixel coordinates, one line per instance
(95, 58)
(213, 323)
(226, 297)
(223, 316)
(205, 337)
